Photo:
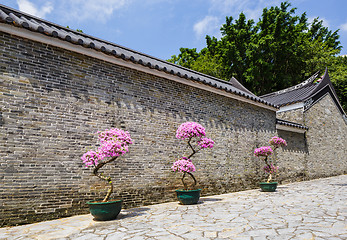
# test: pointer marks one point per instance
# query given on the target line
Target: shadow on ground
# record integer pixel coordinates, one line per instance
(202, 200)
(126, 213)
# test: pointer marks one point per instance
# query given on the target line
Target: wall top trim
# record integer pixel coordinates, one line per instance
(289, 129)
(24, 25)
(290, 126)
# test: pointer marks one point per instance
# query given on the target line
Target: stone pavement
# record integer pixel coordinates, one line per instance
(306, 210)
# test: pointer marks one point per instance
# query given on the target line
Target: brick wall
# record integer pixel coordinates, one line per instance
(327, 139)
(296, 115)
(324, 145)
(52, 103)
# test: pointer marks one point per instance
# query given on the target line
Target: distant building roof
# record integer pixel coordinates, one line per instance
(297, 93)
(308, 92)
(22, 20)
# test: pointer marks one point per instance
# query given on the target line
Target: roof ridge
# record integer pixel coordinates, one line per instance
(300, 85)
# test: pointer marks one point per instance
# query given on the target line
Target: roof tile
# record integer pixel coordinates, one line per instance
(21, 19)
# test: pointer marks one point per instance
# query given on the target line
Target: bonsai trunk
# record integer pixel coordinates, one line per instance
(184, 174)
(270, 175)
(105, 178)
(269, 178)
(184, 184)
(190, 145)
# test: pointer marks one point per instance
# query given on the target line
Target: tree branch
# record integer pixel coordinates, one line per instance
(270, 176)
(190, 145)
(184, 184)
(193, 178)
(107, 179)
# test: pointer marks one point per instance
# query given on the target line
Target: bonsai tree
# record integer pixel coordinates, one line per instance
(113, 144)
(194, 134)
(265, 152)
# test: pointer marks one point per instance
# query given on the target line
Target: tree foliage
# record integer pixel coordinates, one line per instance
(338, 75)
(279, 51)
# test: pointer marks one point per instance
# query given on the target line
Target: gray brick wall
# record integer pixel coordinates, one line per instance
(324, 146)
(53, 101)
(296, 115)
(327, 139)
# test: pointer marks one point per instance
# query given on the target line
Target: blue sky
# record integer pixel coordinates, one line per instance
(160, 27)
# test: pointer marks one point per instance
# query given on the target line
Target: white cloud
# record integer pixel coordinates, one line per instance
(30, 8)
(220, 8)
(252, 8)
(98, 10)
(208, 25)
(343, 27)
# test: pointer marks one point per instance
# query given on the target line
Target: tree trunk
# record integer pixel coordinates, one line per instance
(105, 178)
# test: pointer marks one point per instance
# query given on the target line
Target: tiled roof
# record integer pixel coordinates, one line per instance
(307, 92)
(23, 20)
(290, 124)
(293, 94)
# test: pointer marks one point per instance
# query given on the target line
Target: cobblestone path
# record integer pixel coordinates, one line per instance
(314, 209)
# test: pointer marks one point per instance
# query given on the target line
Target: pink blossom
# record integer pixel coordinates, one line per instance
(189, 130)
(114, 142)
(277, 142)
(115, 134)
(90, 158)
(269, 168)
(272, 169)
(183, 165)
(263, 151)
(206, 143)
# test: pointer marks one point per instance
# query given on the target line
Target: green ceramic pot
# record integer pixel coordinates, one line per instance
(104, 211)
(187, 197)
(268, 187)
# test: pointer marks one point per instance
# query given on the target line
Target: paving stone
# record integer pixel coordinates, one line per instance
(254, 216)
(135, 237)
(229, 233)
(210, 234)
(116, 235)
(89, 236)
(166, 237)
(193, 235)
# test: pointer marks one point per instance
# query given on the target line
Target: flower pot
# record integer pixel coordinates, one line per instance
(187, 197)
(268, 187)
(104, 211)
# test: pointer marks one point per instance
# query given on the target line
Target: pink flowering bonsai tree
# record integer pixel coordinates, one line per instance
(113, 144)
(194, 134)
(266, 151)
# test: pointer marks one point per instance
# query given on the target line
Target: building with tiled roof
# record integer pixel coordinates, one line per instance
(312, 107)
(305, 94)
(302, 97)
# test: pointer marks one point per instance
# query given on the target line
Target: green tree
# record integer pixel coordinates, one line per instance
(338, 75)
(186, 58)
(278, 51)
(208, 63)
(232, 49)
(321, 48)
